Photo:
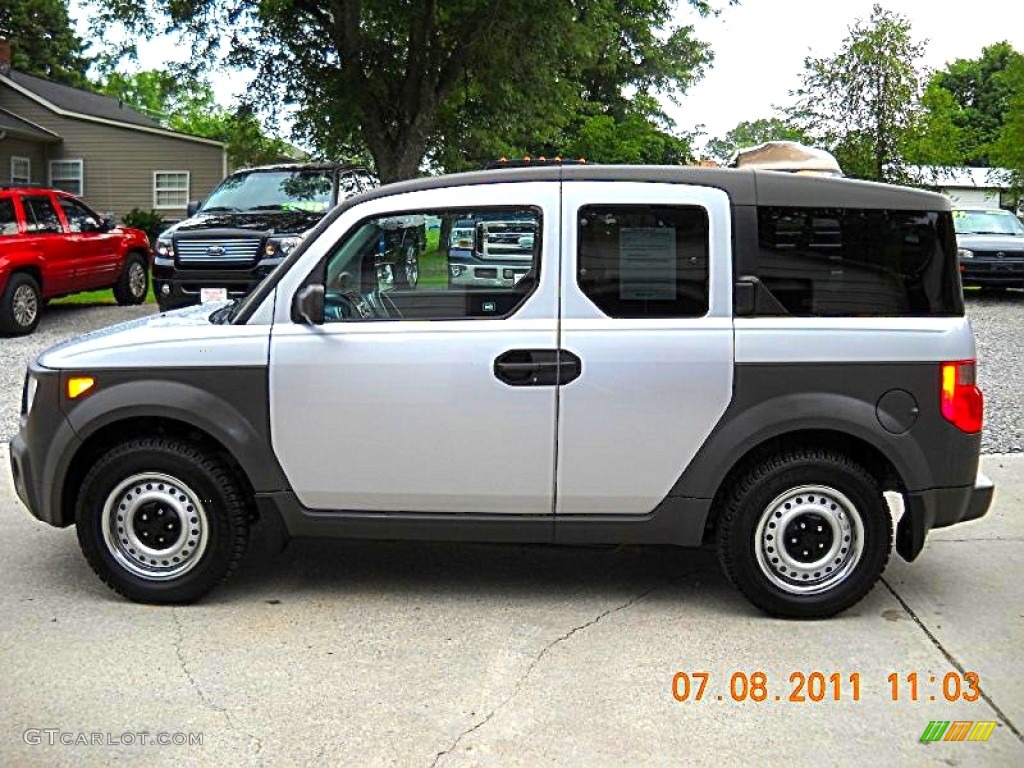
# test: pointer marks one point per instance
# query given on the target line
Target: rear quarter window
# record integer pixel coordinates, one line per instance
(844, 262)
(8, 218)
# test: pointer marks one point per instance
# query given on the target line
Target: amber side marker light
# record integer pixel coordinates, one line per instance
(79, 385)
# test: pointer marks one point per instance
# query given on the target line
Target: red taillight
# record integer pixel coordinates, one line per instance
(962, 401)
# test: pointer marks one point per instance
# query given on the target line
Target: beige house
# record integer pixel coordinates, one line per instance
(93, 146)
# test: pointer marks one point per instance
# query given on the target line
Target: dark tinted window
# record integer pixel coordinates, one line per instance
(80, 218)
(842, 262)
(8, 219)
(40, 215)
(638, 261)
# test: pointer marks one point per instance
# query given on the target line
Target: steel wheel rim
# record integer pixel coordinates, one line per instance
(136, 279)
(809, 539)
(412, 267)
(142, 507)
(25, 305)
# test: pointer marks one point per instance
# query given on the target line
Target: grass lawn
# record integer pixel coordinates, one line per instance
(97, 297)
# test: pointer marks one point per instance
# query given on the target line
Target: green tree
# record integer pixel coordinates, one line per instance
(750, 133)
(186, 104)
(449, 81)
(861, 102)
(43, 40)
(936, 136)
(1008, 149)
(977, 94)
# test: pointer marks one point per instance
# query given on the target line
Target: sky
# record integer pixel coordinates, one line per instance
(760, 47)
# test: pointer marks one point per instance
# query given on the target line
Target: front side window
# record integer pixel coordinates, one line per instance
(8, 218)
(67, 175)
(411, 266)
(644, 261)
(170, 189)
(301, 190)
(40, 215)
(21, 170)
(79, 218)
(847, 262)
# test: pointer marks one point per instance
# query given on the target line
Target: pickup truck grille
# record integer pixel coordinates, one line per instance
(237, 250)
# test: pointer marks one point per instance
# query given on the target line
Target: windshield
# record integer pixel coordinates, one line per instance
(987, 223)
(273, 191)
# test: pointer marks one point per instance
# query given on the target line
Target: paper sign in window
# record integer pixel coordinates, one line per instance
(647, 263)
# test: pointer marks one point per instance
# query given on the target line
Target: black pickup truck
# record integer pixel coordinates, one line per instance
(252, 221)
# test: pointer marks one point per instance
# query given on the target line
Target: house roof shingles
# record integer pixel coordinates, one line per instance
(83, 102)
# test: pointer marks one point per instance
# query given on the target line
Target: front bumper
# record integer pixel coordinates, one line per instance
(940, 508)
(996, 272)
(178, 287)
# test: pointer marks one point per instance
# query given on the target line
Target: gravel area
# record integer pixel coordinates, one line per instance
(59, 322)
(998, 321)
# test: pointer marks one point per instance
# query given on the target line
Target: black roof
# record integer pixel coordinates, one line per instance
(11, 123)
(745, 186)
(80, 101)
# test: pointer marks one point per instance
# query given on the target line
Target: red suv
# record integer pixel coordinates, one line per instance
(53, 244)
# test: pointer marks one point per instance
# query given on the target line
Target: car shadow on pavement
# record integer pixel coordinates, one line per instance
(475, 571)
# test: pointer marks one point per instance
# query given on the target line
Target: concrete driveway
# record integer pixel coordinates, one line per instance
(413, 654)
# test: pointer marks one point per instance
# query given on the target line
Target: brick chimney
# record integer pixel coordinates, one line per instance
(5, 56)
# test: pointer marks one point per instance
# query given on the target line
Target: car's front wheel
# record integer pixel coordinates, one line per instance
(20, 305)
(161, 520)
(804, 533)
(133, 283)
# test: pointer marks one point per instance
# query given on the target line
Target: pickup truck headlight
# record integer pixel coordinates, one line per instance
(282, 245)
(165, 247)
(964, 253)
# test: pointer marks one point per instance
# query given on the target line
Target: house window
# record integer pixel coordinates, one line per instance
(21, 170)
(67, 175)
(170, 189)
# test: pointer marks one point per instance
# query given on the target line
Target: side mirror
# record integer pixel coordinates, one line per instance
(308, 305)
(107, 223)
(193, 207)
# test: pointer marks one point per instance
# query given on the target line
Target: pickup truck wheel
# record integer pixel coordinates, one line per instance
(20, 305)
(805, 533)
(133, 283)
(407, 270)
(161, 520)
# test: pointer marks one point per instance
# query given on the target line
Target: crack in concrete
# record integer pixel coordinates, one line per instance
(952, 660)
(529, 670)
(255, 743)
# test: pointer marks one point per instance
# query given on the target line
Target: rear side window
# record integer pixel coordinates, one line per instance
(8, 219)
(844, 262)
(641, 261)
(40, 215)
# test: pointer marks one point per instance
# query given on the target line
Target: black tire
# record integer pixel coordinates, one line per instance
(133, 284)
(20, 306)
(406, 270)
(799, 488)
(217, 530)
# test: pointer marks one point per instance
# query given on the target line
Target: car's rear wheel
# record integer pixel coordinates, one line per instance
(804, 533)
(20, 305)
(161, 520)
(133, 284)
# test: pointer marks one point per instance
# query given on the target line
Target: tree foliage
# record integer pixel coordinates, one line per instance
(861, 101)
(450, 81)
(750, 133)
(187, 104)
(969, 100)
(1008, 148)
(43, 40)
